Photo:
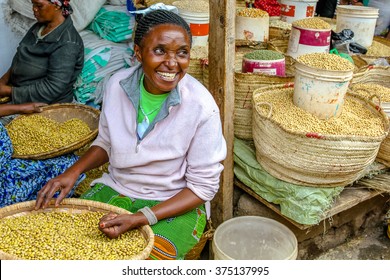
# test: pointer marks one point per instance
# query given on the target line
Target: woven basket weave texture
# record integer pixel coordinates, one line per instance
(75, 206)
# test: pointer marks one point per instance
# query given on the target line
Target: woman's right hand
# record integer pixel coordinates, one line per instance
(34, 107)
(62, 183)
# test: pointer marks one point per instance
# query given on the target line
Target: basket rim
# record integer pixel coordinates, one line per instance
(68, 148)
(77, 203)
(356, 138)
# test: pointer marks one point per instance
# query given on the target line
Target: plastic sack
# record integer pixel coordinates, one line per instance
(344, 43)
(83, 11)
(113, 23)
(102, 59)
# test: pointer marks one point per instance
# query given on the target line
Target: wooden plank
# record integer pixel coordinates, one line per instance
(221, 86)
(349, 197)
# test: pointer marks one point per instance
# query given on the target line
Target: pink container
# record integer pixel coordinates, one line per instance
(269, 67)
(304, 41)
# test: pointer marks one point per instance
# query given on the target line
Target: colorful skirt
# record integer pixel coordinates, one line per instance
(173, 237)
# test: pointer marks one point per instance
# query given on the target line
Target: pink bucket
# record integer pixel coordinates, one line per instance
(269, 67)
(304, 41)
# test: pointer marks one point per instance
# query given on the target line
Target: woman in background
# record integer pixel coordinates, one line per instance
(48, 59)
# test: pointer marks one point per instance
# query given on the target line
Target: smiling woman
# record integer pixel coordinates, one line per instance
(161, 132)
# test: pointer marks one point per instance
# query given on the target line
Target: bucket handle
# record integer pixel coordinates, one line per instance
(269, 105)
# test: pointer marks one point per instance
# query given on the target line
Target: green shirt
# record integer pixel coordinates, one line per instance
(150, 104)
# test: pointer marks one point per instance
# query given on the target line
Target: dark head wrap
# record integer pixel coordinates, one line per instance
(64, 5)
(158, 17)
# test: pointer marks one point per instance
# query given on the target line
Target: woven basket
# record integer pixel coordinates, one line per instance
(373, 74)
(62, 113)
(302, 159)
(362, 60)
(195, 252)
(244, 85)
(377, 75)
(278, 33)
(74, 206)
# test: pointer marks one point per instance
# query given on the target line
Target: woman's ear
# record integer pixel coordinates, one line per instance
(137, 51)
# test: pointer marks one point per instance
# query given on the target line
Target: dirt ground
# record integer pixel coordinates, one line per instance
(372, 244)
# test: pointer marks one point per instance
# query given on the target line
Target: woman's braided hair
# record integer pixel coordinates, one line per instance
(158, 17)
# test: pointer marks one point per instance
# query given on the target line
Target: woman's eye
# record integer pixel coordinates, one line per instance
(159, 51)
(182, 53)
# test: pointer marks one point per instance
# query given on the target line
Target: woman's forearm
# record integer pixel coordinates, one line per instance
(5, 78)
(179, 204)
(93, 158)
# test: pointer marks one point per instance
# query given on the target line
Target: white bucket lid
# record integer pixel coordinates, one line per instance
(357, 11)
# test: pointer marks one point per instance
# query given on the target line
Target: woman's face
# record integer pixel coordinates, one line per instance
(165, 57)
(45, 11)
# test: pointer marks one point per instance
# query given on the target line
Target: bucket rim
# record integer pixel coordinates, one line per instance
(187, 12)
(307, 67)
(311, 29)
(287, 231)
(264, 60)
(356, 9)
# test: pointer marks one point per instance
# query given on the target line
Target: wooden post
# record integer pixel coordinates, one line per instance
(221, 85)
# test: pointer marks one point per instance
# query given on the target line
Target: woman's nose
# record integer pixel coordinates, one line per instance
(171, 61)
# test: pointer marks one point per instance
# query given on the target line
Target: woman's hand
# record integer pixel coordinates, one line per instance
(113, 225)
(62, 183)
(27, 108)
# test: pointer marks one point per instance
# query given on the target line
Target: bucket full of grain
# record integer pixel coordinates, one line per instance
(252, 25)
(292, 10)
(311, 35)
(254, 238)
(196, 14)
(264, 61)
(361, 20)
(321, 82)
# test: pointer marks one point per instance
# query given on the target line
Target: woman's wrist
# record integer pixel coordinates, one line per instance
(149, 215)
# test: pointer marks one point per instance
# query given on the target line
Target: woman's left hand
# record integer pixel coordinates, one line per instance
(114, 225)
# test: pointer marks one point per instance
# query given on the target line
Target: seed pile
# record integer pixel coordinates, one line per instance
(193, 6)
(378, 49)
(326, 61)
(36, 134)
(312, 23)
(263, 55)
(252, 13)
(280, 24)
(355, 120)
(368, 90)
(65, 236)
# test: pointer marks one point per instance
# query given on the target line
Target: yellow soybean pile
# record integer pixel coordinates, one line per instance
(356, 118)
(37, 134)
(65, 236)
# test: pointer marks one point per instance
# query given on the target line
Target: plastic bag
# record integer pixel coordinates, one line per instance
(344, 43)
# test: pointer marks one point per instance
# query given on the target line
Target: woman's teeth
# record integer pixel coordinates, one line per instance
(167, 76)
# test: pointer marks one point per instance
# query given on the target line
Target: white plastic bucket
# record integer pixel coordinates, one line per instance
(361, 20)
(305, 40)
(254, 238)
(199, 24)
(292, 10)
(254, 29)
(320, 92)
